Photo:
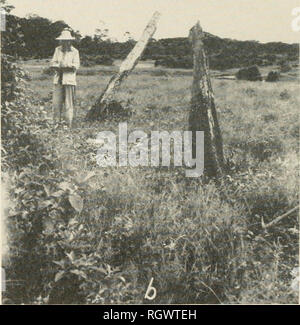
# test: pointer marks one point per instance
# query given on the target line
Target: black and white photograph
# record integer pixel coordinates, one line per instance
(150, 153)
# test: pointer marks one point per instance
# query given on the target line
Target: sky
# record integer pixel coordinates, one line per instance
(261, 20)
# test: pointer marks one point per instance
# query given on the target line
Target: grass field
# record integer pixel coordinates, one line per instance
(201, 243)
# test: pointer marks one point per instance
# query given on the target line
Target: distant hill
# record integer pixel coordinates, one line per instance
(34, 37)
(223, 53)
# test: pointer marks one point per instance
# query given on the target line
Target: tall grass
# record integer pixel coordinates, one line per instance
(202, 243)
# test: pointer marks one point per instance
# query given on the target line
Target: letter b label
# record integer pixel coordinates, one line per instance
(150, 290)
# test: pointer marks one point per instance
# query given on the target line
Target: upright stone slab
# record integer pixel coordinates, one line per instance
(203, 115)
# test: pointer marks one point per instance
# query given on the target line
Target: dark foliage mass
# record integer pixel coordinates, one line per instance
(46, 200)
(251, 74)
(112, 110)
(20, 41)
(273, 76)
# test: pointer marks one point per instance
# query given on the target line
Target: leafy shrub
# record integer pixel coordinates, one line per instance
(28, 159)
(251, 74)
(272, 76)
(44, 201)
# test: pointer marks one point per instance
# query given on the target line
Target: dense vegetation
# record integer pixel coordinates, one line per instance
(82, 234)
(223, 53)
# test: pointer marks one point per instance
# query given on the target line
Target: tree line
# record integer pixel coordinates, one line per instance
(33, 37)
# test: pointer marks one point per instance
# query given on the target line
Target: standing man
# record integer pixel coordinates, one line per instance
(65, 63)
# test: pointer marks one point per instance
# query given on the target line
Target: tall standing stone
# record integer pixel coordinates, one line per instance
(203, 115)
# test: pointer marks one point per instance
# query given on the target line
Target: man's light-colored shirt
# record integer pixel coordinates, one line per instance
(68, 59)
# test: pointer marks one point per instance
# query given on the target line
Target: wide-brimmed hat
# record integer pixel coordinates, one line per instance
(65, 36)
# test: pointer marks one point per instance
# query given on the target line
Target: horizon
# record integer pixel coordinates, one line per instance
(248, 20)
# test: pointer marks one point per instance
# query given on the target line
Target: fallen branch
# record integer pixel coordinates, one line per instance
(276, 220)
